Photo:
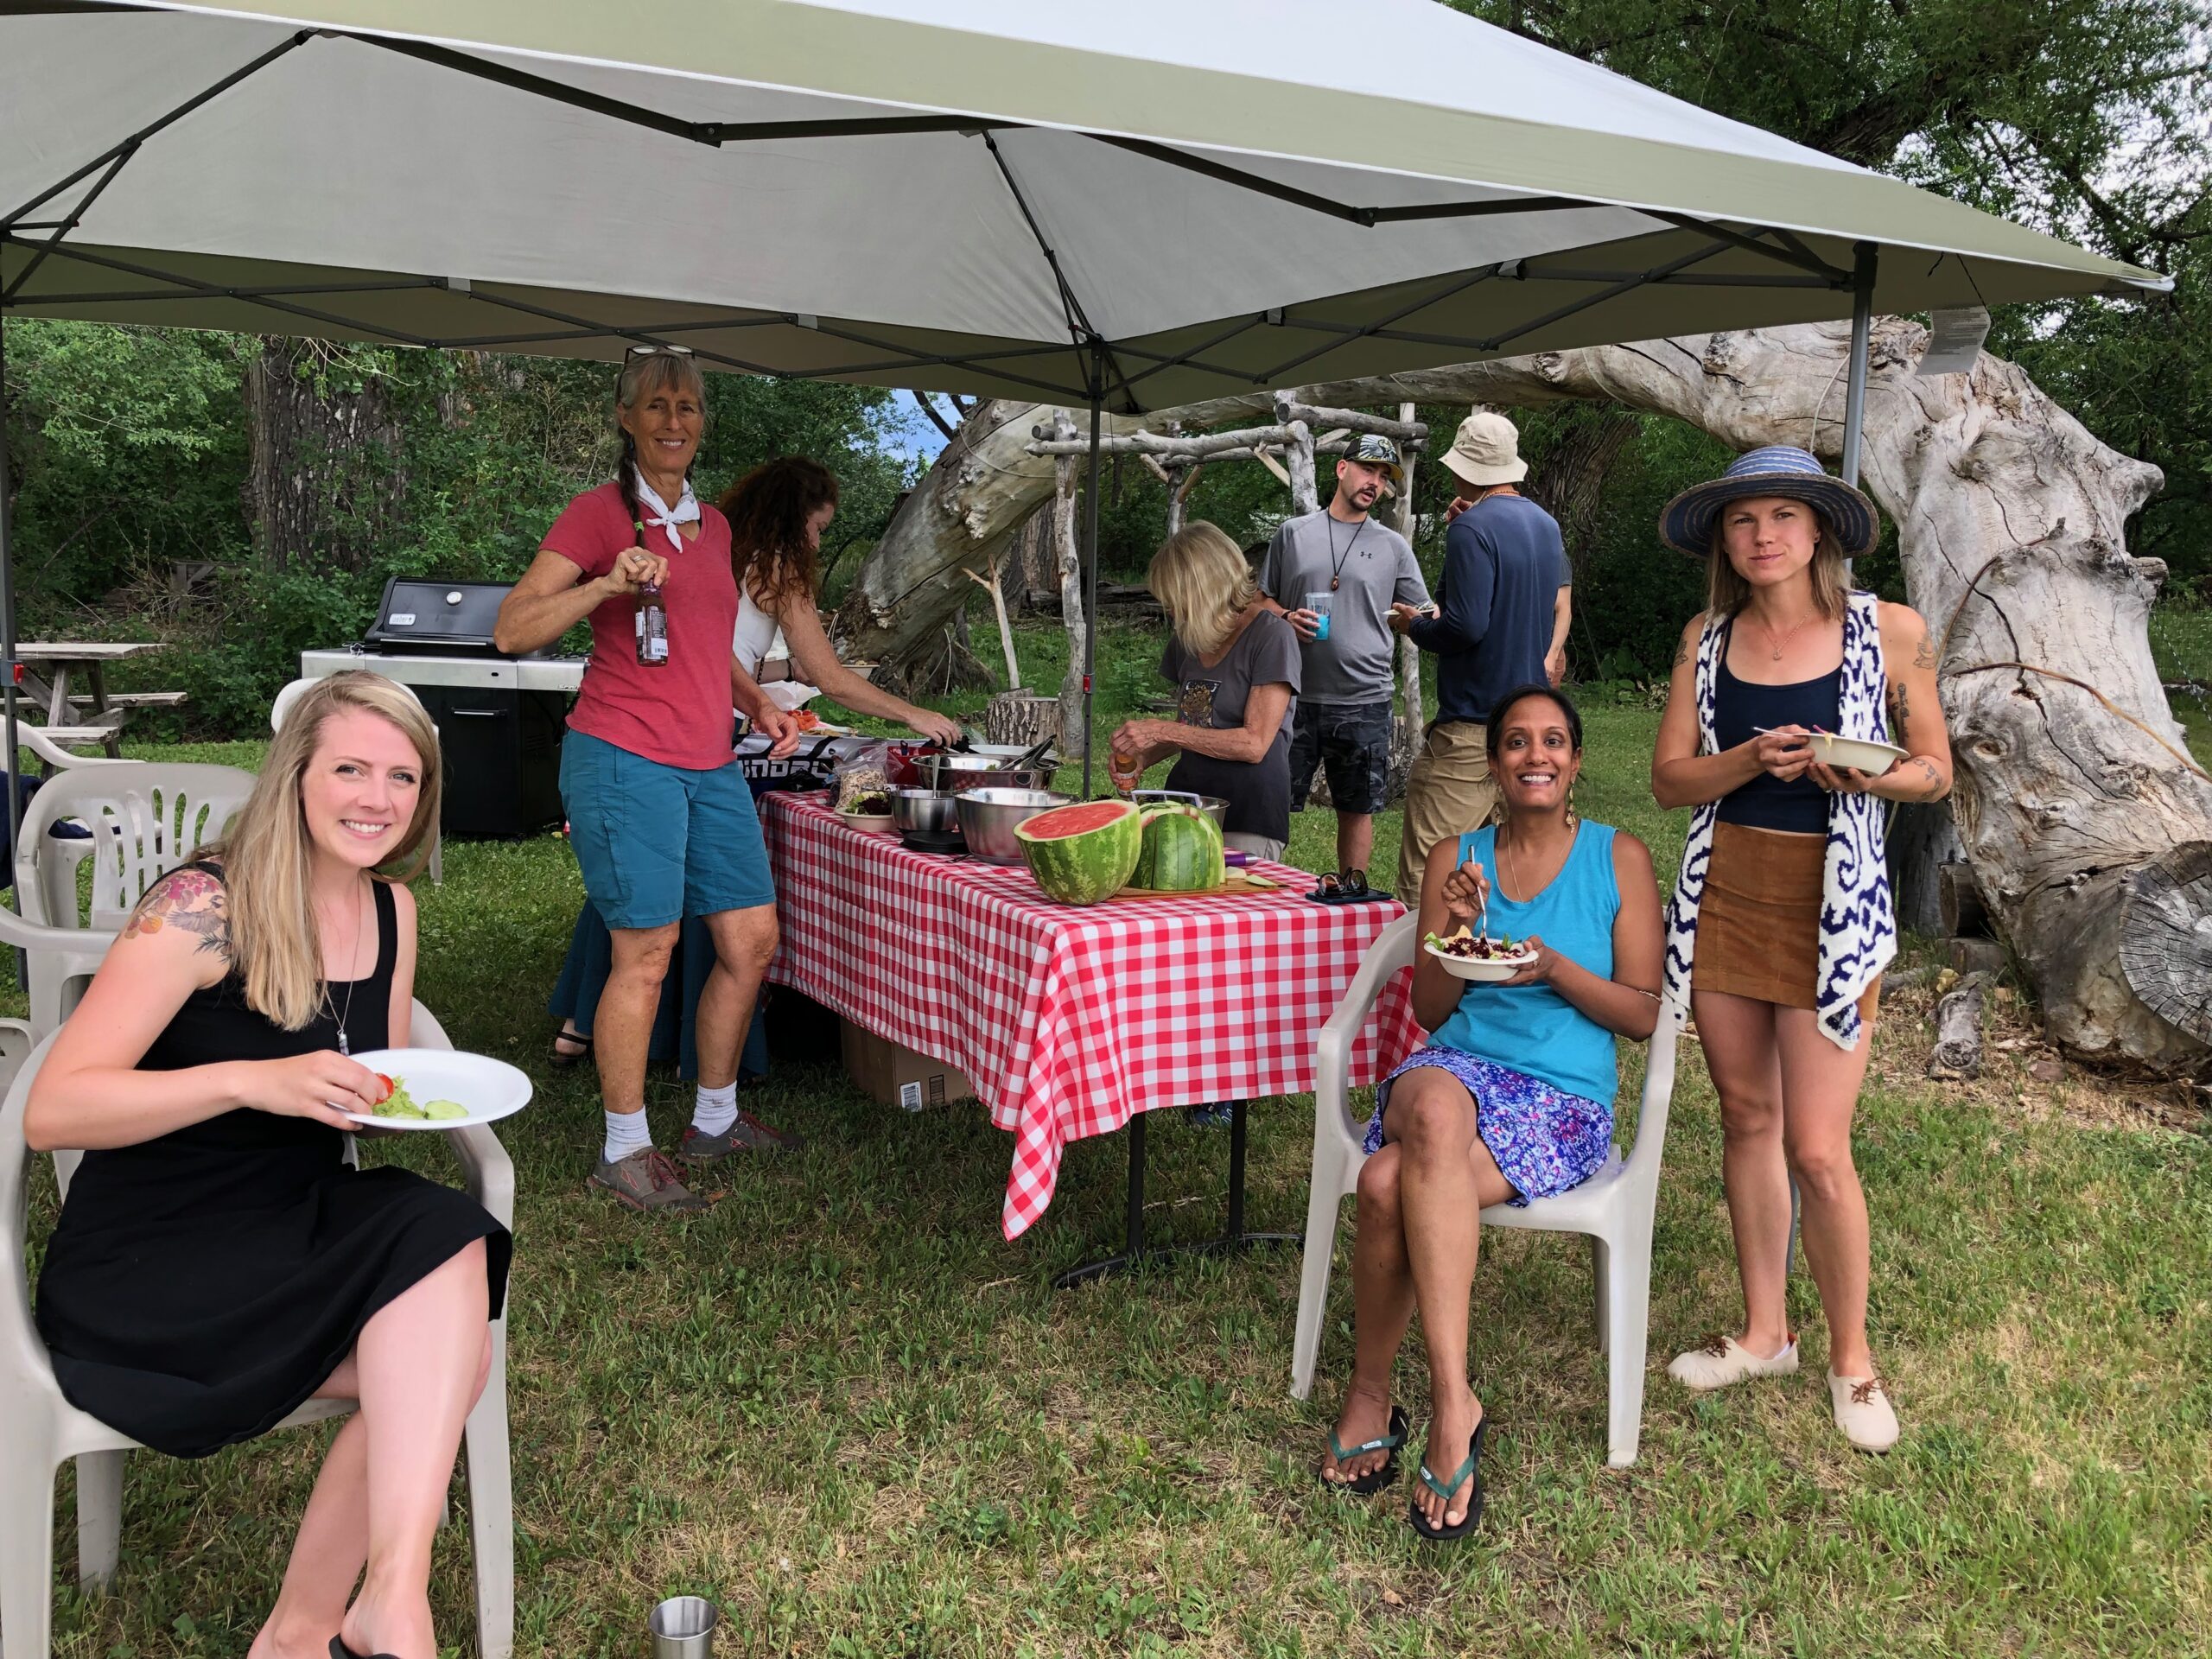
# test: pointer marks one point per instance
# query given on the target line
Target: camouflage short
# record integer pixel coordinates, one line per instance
(1350, 742)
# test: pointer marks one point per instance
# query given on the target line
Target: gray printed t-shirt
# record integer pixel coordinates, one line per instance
(1353, 664)
(1258, 792)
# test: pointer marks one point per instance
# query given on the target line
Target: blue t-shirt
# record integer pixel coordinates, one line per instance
(1532, 1028)
(1503, 566)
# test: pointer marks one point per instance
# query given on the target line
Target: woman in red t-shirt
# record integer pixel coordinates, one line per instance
(661, 820)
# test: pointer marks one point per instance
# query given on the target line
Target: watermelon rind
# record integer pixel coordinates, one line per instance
(1088, 867)
(1182, 851)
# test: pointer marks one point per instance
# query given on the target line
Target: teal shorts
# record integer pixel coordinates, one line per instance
(656, 842)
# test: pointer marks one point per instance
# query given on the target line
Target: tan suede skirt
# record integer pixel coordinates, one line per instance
(1758, 923)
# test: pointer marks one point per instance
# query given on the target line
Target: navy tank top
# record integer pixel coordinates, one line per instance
(1767, 802)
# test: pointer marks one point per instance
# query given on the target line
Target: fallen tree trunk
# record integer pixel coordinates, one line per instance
(2073, 784)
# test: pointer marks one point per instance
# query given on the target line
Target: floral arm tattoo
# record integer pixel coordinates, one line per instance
(190, 900)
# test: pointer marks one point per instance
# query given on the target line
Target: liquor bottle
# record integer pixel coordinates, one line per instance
(652, 628)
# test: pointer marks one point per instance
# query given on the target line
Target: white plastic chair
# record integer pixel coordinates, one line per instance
(146, 818)
(292, 693)
(57, 757)
(62, 962)
(39, 1429)
(1615, 1206)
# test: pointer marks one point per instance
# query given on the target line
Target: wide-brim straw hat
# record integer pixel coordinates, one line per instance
(1485, 450)
(1686, 522)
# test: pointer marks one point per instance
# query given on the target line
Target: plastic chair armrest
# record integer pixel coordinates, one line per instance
(491, 1172)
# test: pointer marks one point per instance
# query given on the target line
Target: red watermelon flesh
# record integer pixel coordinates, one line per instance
(1083, 853)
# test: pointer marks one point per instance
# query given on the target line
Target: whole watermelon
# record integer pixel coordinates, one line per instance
(1182, 851)
(1084, 853)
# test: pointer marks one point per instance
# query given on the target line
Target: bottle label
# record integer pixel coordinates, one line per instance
(652, 635)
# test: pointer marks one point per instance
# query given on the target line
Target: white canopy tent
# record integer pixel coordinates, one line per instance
(1127, 207)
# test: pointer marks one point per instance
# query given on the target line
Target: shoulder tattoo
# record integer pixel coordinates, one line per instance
(1683, 652)
(192, 900)
(1925, 657)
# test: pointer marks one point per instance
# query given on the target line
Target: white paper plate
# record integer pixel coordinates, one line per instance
(1495, 968)
(1860, 754)
(490, 1088)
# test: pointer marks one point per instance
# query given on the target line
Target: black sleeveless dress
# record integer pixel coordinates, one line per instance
(200, 1286)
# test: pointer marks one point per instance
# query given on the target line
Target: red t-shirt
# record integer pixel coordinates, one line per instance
(678, 714)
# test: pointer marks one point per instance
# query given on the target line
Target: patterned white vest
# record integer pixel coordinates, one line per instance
(1859, 927)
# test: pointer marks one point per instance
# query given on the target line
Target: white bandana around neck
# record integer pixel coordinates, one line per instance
(654, 511)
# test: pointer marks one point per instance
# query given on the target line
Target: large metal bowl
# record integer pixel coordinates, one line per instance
(958, 773)
(923, 811)
(1213, 805)
(988, 818)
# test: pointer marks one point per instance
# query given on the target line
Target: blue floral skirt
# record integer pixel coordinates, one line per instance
(1546, 1142)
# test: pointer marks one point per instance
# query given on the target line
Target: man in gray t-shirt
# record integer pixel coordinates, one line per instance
(1343, 561)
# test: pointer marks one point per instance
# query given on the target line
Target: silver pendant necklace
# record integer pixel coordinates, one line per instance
(345, 1047)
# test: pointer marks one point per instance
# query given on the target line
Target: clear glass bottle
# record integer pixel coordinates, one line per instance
(652, 628)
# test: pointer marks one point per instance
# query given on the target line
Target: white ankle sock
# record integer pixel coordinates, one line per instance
(716, 1110)
(626, 1132)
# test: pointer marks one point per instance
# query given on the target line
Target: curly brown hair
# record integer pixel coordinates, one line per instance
(768, 510)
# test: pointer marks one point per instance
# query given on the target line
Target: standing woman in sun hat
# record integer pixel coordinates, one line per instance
(661, 819)
(1782, 919)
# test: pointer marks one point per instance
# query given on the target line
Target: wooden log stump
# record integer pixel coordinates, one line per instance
(1958, 1030)
(1021, 716)
(1976, 956)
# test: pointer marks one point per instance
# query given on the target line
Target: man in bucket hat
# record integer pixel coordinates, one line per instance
(1501, 624)
(1335, 575)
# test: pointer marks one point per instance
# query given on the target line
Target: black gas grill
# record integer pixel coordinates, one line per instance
(499, 718)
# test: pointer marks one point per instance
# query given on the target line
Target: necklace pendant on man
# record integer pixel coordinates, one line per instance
(1334, 583)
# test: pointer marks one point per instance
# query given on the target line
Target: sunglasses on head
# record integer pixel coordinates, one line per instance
(658, 351)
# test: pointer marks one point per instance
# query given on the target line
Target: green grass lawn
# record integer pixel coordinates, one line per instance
(843, 1407)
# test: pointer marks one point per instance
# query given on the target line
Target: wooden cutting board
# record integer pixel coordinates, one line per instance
(1238, 885)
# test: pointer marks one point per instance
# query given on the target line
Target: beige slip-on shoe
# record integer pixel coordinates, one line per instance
(1723, 1360)
(1863, 1411)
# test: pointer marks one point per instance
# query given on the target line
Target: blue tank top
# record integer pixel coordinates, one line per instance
(1767, 802)
(1532, 1028)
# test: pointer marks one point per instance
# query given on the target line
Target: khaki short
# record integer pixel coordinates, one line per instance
(1448, 792)
(1243, 841)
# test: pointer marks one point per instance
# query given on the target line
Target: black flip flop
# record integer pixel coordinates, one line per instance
(565, 1059)
(339, 1650)
(1471, 1470)
(1374, 1479)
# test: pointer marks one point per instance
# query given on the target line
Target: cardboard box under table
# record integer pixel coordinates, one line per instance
(895, 1076)
(1072, 1020)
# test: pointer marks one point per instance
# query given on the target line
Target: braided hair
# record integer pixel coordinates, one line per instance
(643, 374)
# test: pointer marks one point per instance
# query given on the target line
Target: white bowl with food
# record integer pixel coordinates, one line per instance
(1859, 754)
(443, 1088)
(1467, 955)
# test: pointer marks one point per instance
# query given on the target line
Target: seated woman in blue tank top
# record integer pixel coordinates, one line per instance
(1512, 1098)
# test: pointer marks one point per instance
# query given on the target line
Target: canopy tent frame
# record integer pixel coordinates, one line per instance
(1103, 369)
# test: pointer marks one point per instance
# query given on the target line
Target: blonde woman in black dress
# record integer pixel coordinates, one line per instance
(217, 1264)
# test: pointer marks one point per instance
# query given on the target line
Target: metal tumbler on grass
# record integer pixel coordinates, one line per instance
(682, 1628)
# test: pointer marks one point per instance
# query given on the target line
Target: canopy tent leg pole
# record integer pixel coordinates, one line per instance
(8, 657)
(1862, 321)
(1097, 378)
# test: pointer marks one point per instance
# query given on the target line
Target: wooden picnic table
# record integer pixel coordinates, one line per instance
(59, 662)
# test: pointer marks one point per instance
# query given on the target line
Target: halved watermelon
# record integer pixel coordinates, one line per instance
(1084, 853)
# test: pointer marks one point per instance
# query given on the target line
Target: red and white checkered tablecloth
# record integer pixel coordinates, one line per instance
(1067, 1019)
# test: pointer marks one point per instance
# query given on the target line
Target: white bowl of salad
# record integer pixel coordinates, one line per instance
(1469, 955)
